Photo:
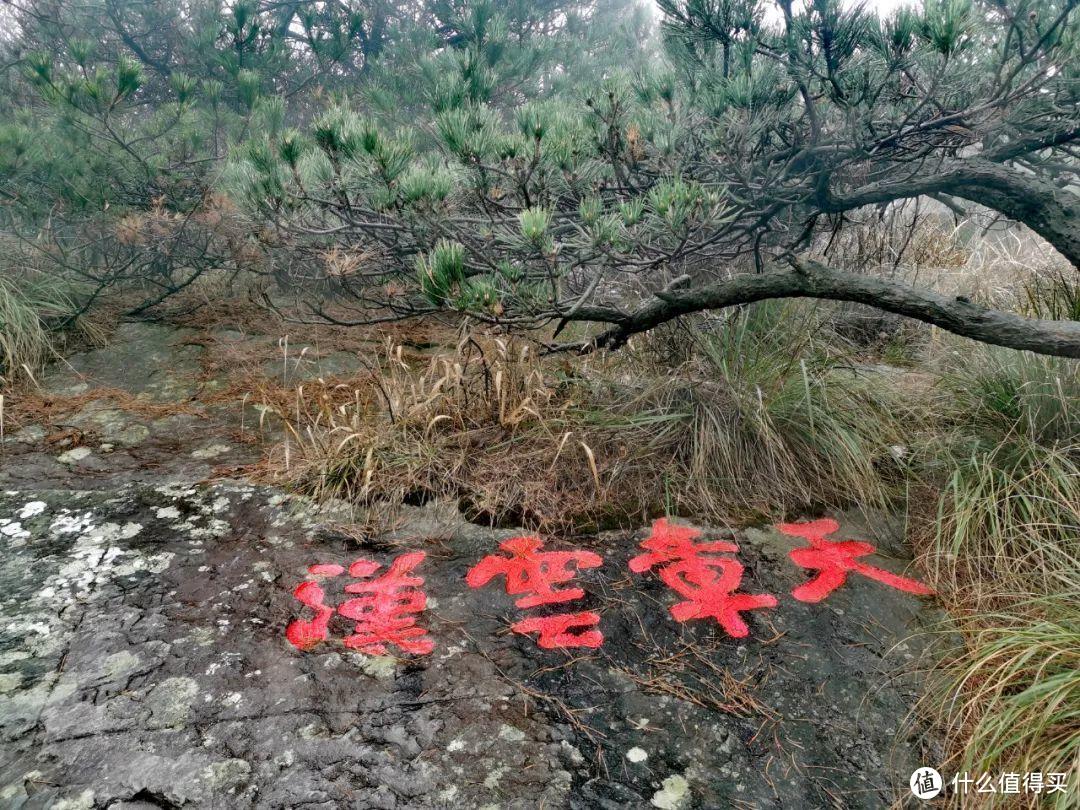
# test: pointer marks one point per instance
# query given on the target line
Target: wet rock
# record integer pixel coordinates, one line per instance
(111, 425)
(141, 424)
(74, 455)
(211, 451)
(143, 663)
(30, 434)
(151, 361)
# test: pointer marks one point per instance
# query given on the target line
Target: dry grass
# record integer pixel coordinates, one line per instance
(1053, 292)
(1008, 450)
(1003, 553)
(483, 421)
(690, 675)
(995, 506)
(771, 414)
(1013, 702)
(901, 238)
(756, 422)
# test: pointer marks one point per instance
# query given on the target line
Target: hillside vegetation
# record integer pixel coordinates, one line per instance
(730, 260)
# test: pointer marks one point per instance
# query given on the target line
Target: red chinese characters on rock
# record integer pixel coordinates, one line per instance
(556, 632)
(696, 571)
(530, 571)
(306, 634)
(833, 559)
(385, 604)
(384, 607)
(385, 611)
(534, 574)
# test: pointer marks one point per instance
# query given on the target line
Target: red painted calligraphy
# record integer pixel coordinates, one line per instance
(535, 574)
(306, 634)
(833, 560)
(386, 611)
(555, 631)
(384, 607)
(708, 582)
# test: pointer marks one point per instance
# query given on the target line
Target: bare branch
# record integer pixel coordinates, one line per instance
(810, 279)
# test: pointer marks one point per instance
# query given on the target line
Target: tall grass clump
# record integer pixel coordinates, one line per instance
(24, 340)
(1008, 519)
(1014, 702)
(1003, 552)
(770, 415)
(484, 423)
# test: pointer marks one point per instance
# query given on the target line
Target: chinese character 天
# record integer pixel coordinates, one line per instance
(834, 559)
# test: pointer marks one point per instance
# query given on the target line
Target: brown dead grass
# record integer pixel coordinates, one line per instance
(690, 675)
(741, 430)
(482, 424)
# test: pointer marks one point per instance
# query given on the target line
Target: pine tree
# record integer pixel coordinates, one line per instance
(701, 182)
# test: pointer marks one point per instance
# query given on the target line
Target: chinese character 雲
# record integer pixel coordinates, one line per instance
(534, 573)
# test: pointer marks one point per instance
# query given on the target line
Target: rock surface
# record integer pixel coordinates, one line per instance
(154, 406)
(143, 658)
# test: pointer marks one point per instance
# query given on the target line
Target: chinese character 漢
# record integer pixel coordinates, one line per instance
(384, 607)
